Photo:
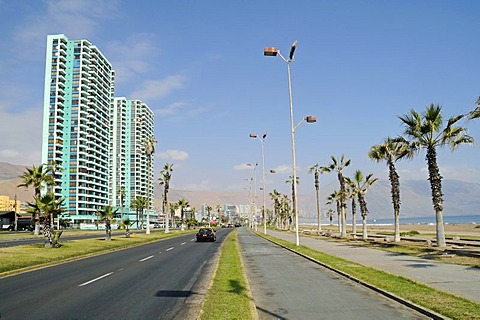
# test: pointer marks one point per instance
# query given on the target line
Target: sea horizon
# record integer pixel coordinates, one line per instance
(429, 220)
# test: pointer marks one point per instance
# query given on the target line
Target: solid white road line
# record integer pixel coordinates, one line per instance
(101, 277)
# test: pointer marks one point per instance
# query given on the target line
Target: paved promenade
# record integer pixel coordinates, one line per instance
(287, 286)
(459, 280)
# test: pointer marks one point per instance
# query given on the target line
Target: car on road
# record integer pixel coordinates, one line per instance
(206, 234)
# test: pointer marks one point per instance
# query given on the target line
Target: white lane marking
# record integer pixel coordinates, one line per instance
(170, 249)
(193, 239)
(144, 259)
(182, 243)
(101, 277)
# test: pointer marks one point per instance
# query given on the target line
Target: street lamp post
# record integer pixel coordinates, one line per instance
(254, 194)
(272, 52)
(262, 140)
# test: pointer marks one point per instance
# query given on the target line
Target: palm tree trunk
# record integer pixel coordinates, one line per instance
(436, 186)
(317, 191)
(354, 218)
(364, 229)
(47, 233)
(395, 191)
(396, 237)
(182, 226)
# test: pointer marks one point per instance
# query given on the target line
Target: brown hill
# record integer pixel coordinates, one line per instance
(460, 198)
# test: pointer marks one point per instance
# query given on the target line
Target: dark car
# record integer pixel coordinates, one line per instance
(206, 234)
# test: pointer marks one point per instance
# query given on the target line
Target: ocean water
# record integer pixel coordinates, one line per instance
(464, 219)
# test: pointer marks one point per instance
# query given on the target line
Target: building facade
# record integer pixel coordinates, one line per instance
(132, 123)
(93, 137)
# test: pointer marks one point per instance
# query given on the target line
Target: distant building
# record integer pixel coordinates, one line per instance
(7, 204)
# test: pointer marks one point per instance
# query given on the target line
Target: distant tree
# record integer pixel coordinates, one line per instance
(38, 178)
(294, 199)
(392, 150)
(209, 209)
(164, 181)
(332, 198)
(360, 186)
(173, 208)
(317, 170)
(139, 204)
(183, 204)
(125, 225)
(338, 166)
(427, 131)
(48, 207)
(107, 215)
(352, 194)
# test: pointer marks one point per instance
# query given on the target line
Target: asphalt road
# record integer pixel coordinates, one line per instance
(163, 280)
(17, 241)
(287, 286)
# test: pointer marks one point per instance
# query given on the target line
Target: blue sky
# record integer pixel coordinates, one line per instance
(200, 66)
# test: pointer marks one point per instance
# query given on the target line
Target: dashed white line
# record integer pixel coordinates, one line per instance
(101, 277)
(183, 243)
(171, 248)
(144, 259)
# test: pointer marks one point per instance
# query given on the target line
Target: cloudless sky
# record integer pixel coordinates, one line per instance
(200, 66)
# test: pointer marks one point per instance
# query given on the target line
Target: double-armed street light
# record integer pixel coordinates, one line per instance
(262, 140)
(273, 52)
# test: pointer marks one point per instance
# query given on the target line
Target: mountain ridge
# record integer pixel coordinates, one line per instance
(460, 198)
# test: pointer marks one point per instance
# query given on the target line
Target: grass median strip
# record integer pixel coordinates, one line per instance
(228, 296)
(441, 302)
(24, 257)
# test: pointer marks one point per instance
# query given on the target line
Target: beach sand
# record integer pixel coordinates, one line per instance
(450, 229)
(461, 229)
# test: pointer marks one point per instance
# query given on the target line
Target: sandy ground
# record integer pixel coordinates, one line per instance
(466, 229)
(455, 229)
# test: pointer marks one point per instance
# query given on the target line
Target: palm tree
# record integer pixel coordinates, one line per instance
(182, 203)
(329, 214)
(48, 206)
(392, 150)
(149, 145)
(122, 199)
(38, 178)
(360, 186)
(317, 170)
(335, 197)
(107, 215)
(352, 194)
(126, 224)
(275, 196)
(475, 113)
(209, 209)
(286, 211)
(338, 166)
(427, 131)
(173, 208)
(294, 199)
(165, 176)
(139, 204)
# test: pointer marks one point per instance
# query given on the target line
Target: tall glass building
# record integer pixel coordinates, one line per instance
(131, 123)
(92, 136)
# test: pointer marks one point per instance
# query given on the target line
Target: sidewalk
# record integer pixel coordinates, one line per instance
(459, 280)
